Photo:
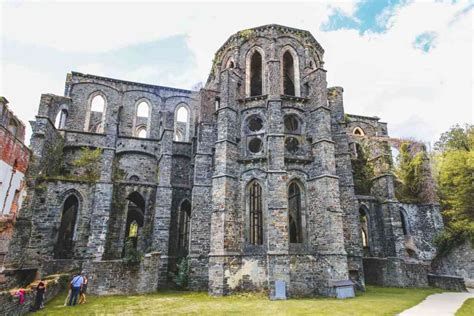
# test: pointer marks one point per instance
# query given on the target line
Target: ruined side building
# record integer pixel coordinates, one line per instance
(14, 157)
(250, 178)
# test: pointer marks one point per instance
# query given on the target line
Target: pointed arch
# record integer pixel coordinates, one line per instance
(61, 118)
(358, 131)
(290, 72)
(255, 211)
(182, 121)
(135, 217)
(184, 226)
(96, 113)
(64, 248)
(255, 72)
(142, 118)
(295, 196)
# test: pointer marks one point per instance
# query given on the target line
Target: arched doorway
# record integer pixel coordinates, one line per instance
(184, 227)
(135, 217)
(65, 243)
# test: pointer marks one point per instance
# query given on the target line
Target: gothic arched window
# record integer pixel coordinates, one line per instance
(61, 118)
(65, 242)
(184, 226)
(256, 74)
(143, 109)
(364, 227)
(294, 213)
(358, 131)
(288, 74)
(255, 205)
(403, 219)
(95, 117)
(141, 132)
(181, 129)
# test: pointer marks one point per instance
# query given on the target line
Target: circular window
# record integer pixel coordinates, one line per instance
(291, 123)
(292, 145)
(255, 123)
(255, 145)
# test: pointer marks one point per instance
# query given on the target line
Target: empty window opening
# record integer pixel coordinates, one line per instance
(255, 145)
(135, 217)
(255, 123)
(294, 213)
(141, 132)
(288, 74)
(256, 74)
(143, 109)
(181, 129)
(218, 104)
(97, 104)
(230, 64)
(292, 124)
(403, 219)
(13, 127)
(61, 118)
(292, 145)
(255, 204)
(65, 242)
(358, 131)
(364, 229)
(184, 227)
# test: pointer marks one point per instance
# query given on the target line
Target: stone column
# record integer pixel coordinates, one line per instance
(325, 224)
(225, 229)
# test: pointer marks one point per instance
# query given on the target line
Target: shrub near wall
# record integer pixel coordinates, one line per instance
(9, 304)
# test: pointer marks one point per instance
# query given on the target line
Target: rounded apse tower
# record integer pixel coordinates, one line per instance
(276, 213)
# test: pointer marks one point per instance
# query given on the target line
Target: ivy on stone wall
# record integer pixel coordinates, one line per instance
(363, 170)
(89, 162)
(182, 275)
(409, 174)
(53, 158)
(132, 256)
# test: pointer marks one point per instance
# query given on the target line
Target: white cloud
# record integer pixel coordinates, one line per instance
(418, 94)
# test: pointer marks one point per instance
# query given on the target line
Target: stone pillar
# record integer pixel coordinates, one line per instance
(277, 231)
(349, 203)
(163, 200)
(225, 227)
(325, 224)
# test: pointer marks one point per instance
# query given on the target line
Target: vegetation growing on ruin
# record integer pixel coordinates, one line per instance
(363, 170)
(409, 174)
(375, 301)
(246, 34)
(132, 256)
(53, 157)
(454, 171)
(182, 275)
(89, 163)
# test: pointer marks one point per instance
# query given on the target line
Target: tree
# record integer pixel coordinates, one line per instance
(454, 163)
(363, 170)
(409, 174)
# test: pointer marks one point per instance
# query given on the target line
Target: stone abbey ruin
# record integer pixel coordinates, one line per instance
(252, 178)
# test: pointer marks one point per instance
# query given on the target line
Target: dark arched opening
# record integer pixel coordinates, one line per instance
(288, 74)
(184, 227)
(403, 219)
(135, 217)
(256, 74)
(364, 230)
(65, 243)
(294, 213)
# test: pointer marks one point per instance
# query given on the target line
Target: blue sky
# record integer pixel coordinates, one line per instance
(404, 61)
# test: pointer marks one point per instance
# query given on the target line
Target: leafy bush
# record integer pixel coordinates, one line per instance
(363, 171)
(182, 276)
(409, 174)
(132, 256)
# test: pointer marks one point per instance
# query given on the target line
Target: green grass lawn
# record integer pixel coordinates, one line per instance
(467, 309)
(376, 301)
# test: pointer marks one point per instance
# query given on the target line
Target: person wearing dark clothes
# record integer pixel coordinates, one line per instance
(82, 297)
(40, 291)
(76, 285)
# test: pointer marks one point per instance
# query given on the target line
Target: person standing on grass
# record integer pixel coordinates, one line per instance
(82, 298)
(40, 291)
(76, 285)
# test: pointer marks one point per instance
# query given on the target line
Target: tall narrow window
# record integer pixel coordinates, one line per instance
(181, 129)
(403, 219)
(256, 74)
(364, 229)
(65, 243)
(61, 118)
(184, 226)
(141, 132)
(135, 217)
(288, 74)
(256, 214)
(143, 109)
(96, 118)
(294, 213)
